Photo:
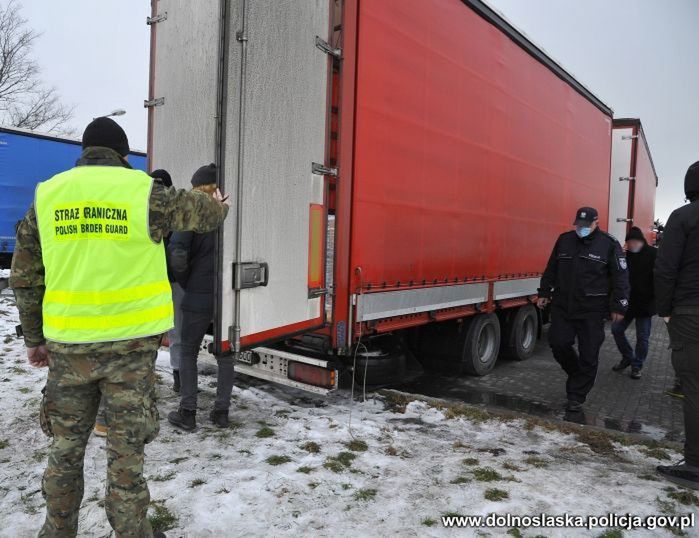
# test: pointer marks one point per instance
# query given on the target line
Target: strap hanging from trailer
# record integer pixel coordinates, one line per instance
(158, 18)
(327, 48)
(158, 101)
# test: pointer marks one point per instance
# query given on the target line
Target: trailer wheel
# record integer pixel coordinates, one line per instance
(385, 366)
(481, 345)
(522, 332)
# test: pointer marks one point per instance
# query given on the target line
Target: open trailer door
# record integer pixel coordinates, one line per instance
(272, 245)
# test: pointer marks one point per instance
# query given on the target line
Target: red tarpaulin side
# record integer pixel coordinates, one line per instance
(470, 155)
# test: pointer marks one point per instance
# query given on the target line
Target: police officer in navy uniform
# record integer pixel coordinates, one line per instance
(585, 280)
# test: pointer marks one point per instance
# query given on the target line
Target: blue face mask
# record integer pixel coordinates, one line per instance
(583, 231)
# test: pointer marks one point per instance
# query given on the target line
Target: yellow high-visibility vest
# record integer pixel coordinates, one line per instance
(106, 280)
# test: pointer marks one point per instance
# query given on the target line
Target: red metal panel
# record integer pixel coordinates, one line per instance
(470, 156)
(644, 189)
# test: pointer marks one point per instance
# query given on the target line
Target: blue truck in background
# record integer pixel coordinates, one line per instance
(27, 158)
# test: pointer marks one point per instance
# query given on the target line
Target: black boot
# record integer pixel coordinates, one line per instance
(219, 417)
(623, 363)
(683, 474)
(635, 373)
(176, 380)
(183, 418)
(574, 406)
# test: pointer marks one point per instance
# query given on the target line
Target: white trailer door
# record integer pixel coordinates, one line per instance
(619, 182)
(276, 123)
(182, 117)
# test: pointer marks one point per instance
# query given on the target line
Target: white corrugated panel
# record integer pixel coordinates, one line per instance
(185, 75)
(619, 190)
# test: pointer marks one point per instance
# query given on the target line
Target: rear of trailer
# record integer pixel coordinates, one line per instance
(391, 163)
(27, 158)
(633, 181)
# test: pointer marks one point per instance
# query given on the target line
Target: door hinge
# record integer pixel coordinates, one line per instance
(322, 170)
(158, 18)
(625, 178)
(621, 219)
(317, 292)
(158, 101)
(250, 275)
(629, 137)
(327, 48)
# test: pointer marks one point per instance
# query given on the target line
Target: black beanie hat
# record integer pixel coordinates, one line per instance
(107, 133)
(635, 233)
(162, 176)
(691, 182)
(206, 175)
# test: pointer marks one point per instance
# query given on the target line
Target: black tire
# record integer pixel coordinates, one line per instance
(381, 367)
(481, 345)
(521, 334)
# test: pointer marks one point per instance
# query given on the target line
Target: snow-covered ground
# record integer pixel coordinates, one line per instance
(294, 465)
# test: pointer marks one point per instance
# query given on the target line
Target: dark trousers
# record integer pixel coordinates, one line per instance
(684, 340)
(192, 332)
(643, 325)
(581, 365)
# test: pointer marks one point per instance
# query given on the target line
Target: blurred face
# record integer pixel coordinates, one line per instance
(634, 245)
(584, 231)
(208, 189)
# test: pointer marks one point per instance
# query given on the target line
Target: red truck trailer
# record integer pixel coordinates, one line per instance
(633, 181)
(399, 171)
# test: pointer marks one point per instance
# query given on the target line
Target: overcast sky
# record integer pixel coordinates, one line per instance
(639, 56)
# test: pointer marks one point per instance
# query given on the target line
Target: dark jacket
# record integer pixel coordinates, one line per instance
(586, 277)
(677, 265)
(642, 297)
(191, 262)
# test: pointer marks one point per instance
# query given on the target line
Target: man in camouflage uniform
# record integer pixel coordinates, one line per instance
(122, 371)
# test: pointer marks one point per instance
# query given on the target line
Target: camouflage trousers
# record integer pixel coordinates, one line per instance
(73, 391)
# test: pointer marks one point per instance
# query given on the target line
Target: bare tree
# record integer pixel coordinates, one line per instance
(24, 100)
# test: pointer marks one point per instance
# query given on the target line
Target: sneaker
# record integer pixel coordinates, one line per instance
(100, 429)
(676, 391)
(219, 417)
(183, 418)
(635, 373)
(623, 363)
(682, 475)
(574, 406)
(176, 380)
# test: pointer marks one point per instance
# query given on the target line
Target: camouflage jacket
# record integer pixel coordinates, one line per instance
(170, 210)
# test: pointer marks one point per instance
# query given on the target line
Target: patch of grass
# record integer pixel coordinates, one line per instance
(356, 445)
(391, 451)
(452, 514)
(514, 531)
(25, 390)
(39, 455)
(649, 476)
(278, 460)
(460, 480)
(305, 469)
(216, 456)
(179, 460)
(264, 431)
(163, 477)
(313, 485)
(495, 451)
(684, 496)
(333, 465)
(222, 491)
(345, 458)
(496, 495)
(656, 452)
(311, 447)
(365, 495)
(470, 461)
(459, 444)
(346, 486)
(339, 463)
(161, 519)
(612, 533)
(4, 443)
(283, 413)
(8, 338)
(536, 462)
(197, 482)
(599, 442)
(17, 370)
(511, 466)
(486, 474)
(429, 522)
(245, 451)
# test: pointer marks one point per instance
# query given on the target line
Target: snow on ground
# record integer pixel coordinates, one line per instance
(293, 465)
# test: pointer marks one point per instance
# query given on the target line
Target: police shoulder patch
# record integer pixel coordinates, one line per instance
(622, 263)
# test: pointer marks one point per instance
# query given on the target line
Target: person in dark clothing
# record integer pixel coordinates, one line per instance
(585, 279)
(191, 257)
(641, 259)
(677, 302)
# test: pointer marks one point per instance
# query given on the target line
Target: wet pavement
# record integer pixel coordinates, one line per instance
(537, 386)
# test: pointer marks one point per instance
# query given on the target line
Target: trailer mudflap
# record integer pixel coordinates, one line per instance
(290, 369)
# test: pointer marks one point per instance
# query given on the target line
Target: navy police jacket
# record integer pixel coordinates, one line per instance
(586, 277)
